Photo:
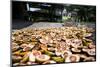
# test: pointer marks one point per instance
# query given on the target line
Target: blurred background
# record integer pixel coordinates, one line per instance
(39, 14)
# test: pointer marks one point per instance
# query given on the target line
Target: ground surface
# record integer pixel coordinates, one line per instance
(19, 24)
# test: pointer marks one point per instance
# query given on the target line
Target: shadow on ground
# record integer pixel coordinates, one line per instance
(19, 24)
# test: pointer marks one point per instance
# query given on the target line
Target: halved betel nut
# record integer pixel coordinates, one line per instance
(16, 58)
(89, 59)
(36, 53)
(76, 43)
(76, 50)
(73, 58)
(90, 52)
(91, 46)
(33, 54)
(32, 57)
(43, 41)
(66, 54)
(42, 58)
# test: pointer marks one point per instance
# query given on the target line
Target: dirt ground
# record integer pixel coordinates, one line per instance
(20, 24)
